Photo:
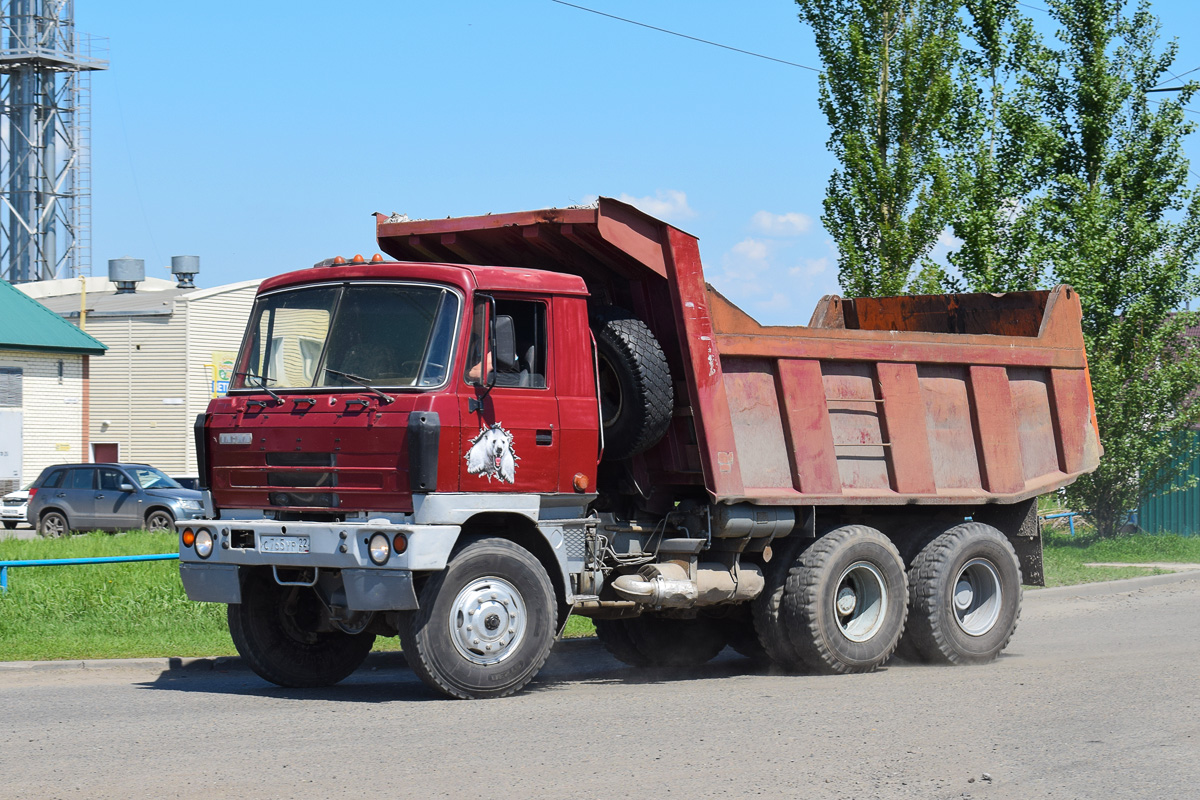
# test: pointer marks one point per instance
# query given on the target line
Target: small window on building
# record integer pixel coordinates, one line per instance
(10, 387)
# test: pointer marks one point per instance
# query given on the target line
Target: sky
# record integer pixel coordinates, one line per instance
(262, 136)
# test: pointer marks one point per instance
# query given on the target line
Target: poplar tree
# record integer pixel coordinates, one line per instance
(1118, 221)
(887, 94)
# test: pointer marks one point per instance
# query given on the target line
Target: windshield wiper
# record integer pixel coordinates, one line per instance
(262, 384)
(363, 382)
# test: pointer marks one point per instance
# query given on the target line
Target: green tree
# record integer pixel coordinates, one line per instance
(887, 95)
(1002, 150)
(1118, 221)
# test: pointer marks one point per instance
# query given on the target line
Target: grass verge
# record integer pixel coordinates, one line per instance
(140, 609)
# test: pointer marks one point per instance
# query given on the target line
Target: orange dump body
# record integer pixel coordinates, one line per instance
(956, 399)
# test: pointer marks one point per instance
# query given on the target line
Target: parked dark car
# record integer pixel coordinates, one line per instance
(74, 497)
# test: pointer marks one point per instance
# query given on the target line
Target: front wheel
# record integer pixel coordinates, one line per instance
(159, 520)
(966, 596)
(485, 624)
(10, 525)
(276, 629)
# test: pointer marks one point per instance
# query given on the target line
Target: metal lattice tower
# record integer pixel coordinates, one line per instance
(45, 141)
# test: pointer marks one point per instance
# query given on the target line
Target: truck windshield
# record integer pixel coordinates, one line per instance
(383, 334)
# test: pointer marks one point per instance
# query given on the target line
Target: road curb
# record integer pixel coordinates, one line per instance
(1112, 587)
(392, 659)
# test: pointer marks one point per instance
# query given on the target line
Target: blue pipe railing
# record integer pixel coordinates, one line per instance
(62, 562)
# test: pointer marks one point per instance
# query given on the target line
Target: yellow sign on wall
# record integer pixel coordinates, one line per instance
(222, 371)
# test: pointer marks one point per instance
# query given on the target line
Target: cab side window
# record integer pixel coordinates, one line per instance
(520, 344)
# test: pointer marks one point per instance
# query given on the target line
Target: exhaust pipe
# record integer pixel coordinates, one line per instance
(668, 585)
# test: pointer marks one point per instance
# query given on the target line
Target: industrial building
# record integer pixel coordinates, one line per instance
(44, 367)
(170, 348)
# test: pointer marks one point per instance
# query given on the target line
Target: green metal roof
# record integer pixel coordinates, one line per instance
(25, 324)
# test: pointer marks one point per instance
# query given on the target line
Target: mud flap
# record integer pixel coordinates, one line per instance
(1020, 523)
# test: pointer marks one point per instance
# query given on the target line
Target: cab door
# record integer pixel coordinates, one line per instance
(509, 439)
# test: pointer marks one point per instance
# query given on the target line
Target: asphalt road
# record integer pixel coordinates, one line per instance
(1095, 698)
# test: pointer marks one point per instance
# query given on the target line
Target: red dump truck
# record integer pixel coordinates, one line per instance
(530, 415)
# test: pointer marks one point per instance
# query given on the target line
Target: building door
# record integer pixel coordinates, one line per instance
(106, 452)
(11, 427)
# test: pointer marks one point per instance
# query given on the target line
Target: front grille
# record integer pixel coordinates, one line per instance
(306, 480)
(301, 459)
(15, 502)
(304, 499)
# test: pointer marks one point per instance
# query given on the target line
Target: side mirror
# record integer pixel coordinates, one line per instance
(125, 487)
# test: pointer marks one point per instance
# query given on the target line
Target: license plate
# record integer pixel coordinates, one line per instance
(283, 544)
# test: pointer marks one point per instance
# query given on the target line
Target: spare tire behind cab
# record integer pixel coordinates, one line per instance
(636, 395)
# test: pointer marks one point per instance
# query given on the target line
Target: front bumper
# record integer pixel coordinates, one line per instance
(12, 513)
(339, 548)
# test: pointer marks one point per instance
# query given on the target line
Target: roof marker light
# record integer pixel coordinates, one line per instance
(358, 259)
(377, 259)
(338, 260)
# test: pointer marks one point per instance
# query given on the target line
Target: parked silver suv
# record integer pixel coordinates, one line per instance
(85, 497)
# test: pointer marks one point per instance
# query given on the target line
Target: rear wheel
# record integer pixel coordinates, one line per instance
(485, 623)
(53, 525)
(966, 596)
(845, 601)
(653, 641)
(274, 629)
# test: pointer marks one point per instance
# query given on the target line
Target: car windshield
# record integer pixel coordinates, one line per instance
(347, 335)
(150, 478)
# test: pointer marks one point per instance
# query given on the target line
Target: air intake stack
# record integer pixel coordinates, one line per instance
(184, 268)
(126, 273)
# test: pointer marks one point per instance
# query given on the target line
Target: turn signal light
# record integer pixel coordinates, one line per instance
(189, 537)
(400, 543)
(581, 482)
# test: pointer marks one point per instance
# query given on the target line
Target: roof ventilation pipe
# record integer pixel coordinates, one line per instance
(184, 268)
(126, 273)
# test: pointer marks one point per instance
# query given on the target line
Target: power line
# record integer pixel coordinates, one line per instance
(685, 36)
(1177, 77)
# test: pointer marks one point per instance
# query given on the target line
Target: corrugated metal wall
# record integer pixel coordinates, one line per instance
(53, 408)
(1177, 511)
(216, 320)
(156, 377)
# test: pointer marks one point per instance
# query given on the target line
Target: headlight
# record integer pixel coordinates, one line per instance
(204, 543)
(190, 505)
(379, 548)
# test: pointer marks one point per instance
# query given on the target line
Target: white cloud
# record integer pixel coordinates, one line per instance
(948, 240)
(666, 204)
(792, 223)
(754, 250)
(810, 267)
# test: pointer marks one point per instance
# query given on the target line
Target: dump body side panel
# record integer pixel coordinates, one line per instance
(952, 399)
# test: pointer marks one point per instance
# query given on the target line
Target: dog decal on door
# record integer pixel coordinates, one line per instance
(491, 455)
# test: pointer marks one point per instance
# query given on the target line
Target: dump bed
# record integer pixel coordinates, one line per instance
(958, 399)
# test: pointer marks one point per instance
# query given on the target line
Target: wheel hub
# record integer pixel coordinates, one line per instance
(487, 620)
(861, 601)
(847, 600)
(978, 597)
